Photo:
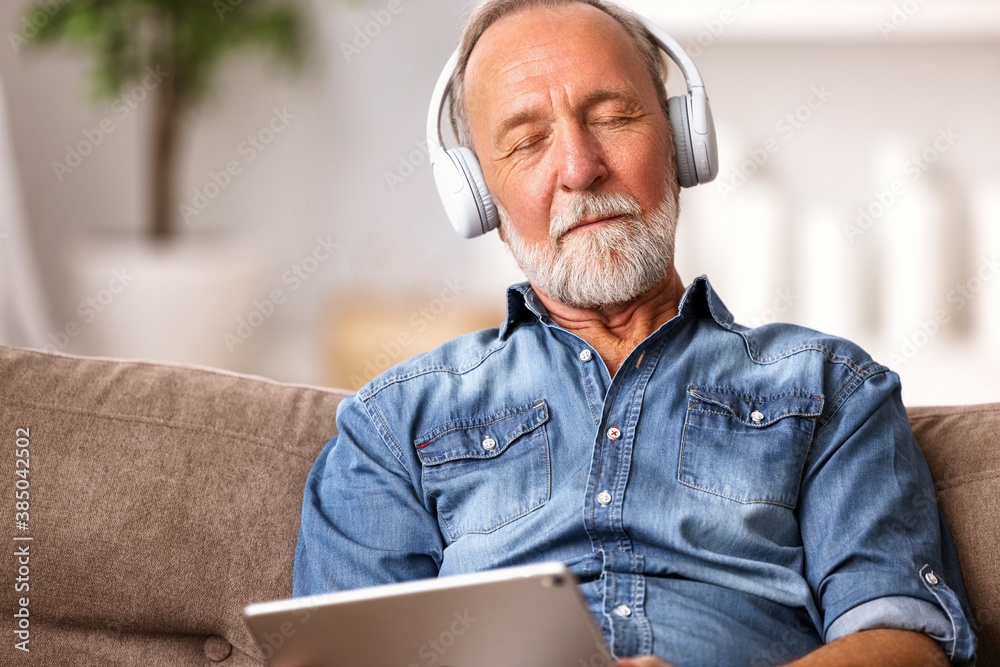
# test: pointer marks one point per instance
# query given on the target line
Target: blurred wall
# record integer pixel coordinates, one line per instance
(339, 209)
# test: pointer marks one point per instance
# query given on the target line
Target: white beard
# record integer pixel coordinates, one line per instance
(595, 268)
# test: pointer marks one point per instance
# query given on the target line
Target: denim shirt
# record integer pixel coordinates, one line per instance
(731, 496)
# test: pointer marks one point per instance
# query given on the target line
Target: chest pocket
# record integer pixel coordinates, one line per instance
(751, 449)
(486, 472)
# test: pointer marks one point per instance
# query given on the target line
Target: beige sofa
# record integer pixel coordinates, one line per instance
(165, 498)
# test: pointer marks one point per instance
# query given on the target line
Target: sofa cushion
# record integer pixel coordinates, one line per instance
(962, 447)
(163, 499)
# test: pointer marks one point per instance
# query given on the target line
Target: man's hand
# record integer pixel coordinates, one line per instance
(642, 661)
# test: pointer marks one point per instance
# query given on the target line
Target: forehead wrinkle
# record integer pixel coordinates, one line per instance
(519, 59)
(514, 69)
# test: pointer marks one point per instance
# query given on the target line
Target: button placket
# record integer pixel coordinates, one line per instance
(613, 457)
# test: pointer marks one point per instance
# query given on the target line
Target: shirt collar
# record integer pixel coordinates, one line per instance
(700, 300)
(522, 305)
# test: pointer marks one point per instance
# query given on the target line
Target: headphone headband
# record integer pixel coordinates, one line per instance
(459, 177)
(438, 100)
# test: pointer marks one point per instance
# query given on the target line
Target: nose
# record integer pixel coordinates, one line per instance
(580, 158)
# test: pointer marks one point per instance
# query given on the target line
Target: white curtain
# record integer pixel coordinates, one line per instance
(23, 313)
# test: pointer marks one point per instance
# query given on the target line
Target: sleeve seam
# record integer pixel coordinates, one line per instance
(375, 416)
(859, 377)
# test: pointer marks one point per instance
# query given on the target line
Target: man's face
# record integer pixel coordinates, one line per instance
(576, 150)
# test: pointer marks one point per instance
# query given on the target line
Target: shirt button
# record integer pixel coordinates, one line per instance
(489, 443)
(623, 610)
(757, 416)
(932, 579)
(614, 433)
(586, 355)
(604, 498)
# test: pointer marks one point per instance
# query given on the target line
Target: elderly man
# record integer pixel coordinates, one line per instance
(725, 495)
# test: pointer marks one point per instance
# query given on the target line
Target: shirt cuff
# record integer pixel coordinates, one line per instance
(898, 612)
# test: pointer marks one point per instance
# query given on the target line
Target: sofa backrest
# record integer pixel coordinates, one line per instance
(962, 448)
(164, 498)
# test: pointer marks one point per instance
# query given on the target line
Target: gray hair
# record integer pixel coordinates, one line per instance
(494, 10)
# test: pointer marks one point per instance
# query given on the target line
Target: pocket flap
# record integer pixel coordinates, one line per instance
(758, 411)
(482, 437)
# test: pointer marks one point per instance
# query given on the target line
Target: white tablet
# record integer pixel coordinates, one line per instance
(527, 616)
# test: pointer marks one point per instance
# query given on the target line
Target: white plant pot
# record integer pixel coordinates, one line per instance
(165, 302)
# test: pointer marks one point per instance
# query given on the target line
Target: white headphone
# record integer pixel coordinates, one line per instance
(459, 176)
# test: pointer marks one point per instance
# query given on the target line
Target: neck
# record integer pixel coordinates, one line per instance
(615, 330)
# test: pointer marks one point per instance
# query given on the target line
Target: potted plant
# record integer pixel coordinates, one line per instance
(184, 41)
(182, 290)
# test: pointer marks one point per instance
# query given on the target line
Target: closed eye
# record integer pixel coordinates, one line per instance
(528, 143)
(612, 121)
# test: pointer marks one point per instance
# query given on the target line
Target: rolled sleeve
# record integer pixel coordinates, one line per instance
(878, 553)
(900, 613)
(363, 521)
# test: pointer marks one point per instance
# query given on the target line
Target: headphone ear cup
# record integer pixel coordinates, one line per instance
(474, 174)
(463, 191)
(680, 125)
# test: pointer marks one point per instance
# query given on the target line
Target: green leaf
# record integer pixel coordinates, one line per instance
(191, 37)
